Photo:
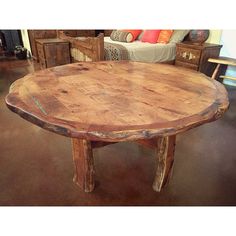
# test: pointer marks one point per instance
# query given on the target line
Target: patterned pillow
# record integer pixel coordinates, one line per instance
(164, 36)
(124, 35)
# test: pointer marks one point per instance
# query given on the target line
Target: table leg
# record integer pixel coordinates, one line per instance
(84, 166)
(215, 71)
(165, 159)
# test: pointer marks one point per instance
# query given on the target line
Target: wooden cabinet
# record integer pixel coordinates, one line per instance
(53, 52)
(46, 34)
(195, 56)
(39, 34)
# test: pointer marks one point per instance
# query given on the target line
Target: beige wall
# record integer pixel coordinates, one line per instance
(25, 39)
(215, 36)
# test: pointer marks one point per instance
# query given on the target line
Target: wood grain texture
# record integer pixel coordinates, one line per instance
(39, 34)
(98, 144)
(165, 160)
(149, 143)
(53, 52)
(214, 75)
(89, 48)
(84, 166)
(117, 101)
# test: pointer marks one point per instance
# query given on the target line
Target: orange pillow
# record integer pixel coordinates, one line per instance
(164, 36)
(150, 36)
(134, 33)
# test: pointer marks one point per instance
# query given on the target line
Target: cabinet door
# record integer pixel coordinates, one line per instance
(57, 54)
(63, 54)
(50, 54)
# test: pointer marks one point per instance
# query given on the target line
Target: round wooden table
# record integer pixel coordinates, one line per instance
(100, 103)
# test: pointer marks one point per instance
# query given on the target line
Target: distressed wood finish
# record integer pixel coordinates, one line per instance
(98, 144)
(53, 52)
(149, 143)
(84, 166)
(39, 34)
(87, 48)
(100, 103)
(117, 101)
(165, 160)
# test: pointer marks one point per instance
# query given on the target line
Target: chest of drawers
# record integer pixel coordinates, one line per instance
(195, 56)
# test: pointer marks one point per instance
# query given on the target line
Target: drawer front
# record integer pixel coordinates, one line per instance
(63, 54)
(40, 51)
(57, 54)
(188, 55)
(186, 65)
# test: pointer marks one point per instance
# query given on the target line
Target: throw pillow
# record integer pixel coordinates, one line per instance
(164, 36)
(124, 35)
(178, 36)
(135, 33)
(141, 35)
(150, 36)
(118, 35)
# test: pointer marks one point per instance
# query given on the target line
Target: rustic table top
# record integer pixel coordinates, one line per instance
(117, 101)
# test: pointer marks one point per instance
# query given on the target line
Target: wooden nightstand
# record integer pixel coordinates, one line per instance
(52, 52)
(195, 56)
(39, 34)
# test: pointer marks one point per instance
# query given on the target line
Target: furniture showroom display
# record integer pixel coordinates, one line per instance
(101, 103)
(104, 48)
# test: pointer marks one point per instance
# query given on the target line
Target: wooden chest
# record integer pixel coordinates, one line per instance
(195, 56)
(39, 34)
(53, 52)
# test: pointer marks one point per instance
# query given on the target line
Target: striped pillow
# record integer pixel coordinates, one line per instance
(124, 35)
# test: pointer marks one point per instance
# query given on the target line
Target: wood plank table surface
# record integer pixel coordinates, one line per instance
(100, 103)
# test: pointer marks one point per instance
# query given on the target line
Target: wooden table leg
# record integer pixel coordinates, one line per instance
(165, 159)
(215, 71)
(84, 166)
